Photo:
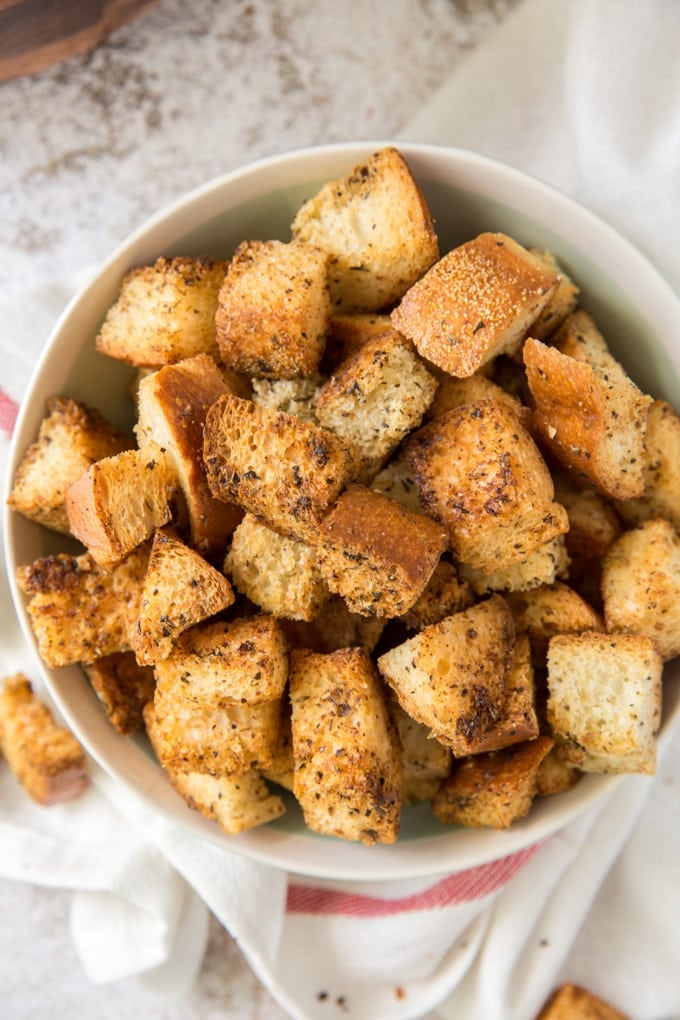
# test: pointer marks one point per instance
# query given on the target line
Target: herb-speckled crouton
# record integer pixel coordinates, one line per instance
(573, 1003)
(123, 687)
(548, 610)
(542, 566)
(562, 302)
(426, 761)
(661, 470)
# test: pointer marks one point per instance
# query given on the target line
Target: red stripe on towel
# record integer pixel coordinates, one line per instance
(464, 887)
(8, 413)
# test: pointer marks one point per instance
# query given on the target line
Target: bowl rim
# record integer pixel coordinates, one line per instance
(533, 197)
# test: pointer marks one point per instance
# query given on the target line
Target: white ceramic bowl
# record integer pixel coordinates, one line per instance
(467, 194)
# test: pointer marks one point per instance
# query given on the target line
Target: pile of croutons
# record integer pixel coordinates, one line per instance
(393, 525)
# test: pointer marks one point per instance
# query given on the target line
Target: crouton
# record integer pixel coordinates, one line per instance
(360, 560)
(286, 471)
(495, 496)
(397, 481)
(661, 470)
(375, 225)
(222, 663)
(335, 627)
(119, 502)
(123, 687)
(592, 420)
(375, 399)
(235, 802)
(562, 302)
(278, 574)
(478, 301)
(492, 790)
(518, 721)
(604, 703)
(555, 775)
(452, 675)
(173, 403)
(71, 438)
(282, 768)
(348, 333)
(446, 593)
(80, 612)
(46, 758)
(292, 396)
(570, 1002)
(456, 392)
(542, 566)
(426, 761)
(348, 768)
(593, 522)
(273, 309)
(548, 610)
(164, 312)
(180, 589)
(641, 585)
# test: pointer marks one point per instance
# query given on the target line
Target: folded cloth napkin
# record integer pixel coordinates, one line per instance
(581, 95)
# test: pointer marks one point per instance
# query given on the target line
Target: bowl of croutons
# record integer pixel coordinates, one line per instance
(342, 511)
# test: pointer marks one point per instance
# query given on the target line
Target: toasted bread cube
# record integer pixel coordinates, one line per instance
(348, 768)
(119, 502)
(452, 675)
(80, 612)
(593, 522)
(123, 687)
(548, 610)
(347, 334)
(286, 471)
(173, 403)
(273, 309)
(397, 481)
(555, 775)
(71, 438)
(375, 399)
(377, 554)
(573, 1003)
(375, 225)
(495, 495)
(446, 593)
(492, 790)
(562, 302)
(661, 470)
(457, 392)
(180, 589)
(519, 720)
(278, 574)
(335, 627)
(591, 419)
(542, 566)
(46, 758)
(641, 585)
(164, 312)
(604, 704)
(292, 396)
(282, 768)
(426, 761)
(235, 802)
(478, 301)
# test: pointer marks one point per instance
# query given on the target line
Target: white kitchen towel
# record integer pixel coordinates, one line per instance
(584, 95)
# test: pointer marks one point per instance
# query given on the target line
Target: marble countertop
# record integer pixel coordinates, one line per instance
(89, 149)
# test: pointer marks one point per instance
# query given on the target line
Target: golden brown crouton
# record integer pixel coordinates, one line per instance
(661, 470)
(573, 1003)
(119, 502)
(492, 790)
(562, 302)
(164, 312)
(79, 611)
(281, 469)
(180, 589)
(235, 802)
(348, 769)
(541, 566)
(548, 610)
(348, 333)
(518, 721)
(397, 481)
(335, 627)
(604, 704)
(593, 522)
(481, 475)
(456, 392)
(46, 758)
(452, 675)
(173, 403)
(376, 227)
(282, 768)
(375, 399)
(72, 437)
(446, 593)
(478, 301)
(426, 761)
(292, 396)
(123, 687)
(273, 309)
(641, 585)
(278, 574)
(377, 554)
(591, 419)
(555, 775)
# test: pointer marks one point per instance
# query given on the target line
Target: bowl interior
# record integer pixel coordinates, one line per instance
(467, 194)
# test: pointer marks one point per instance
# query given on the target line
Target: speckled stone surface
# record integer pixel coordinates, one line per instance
(88, 150)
